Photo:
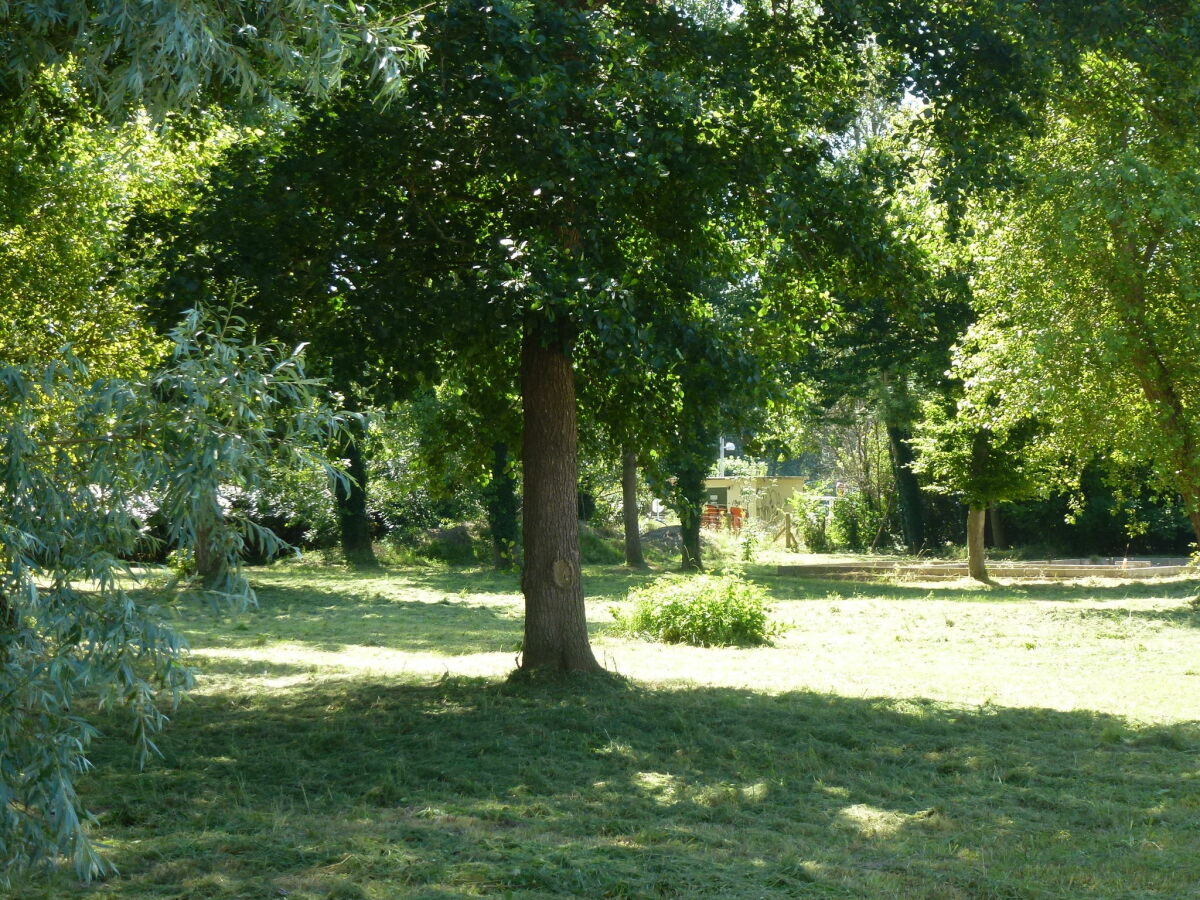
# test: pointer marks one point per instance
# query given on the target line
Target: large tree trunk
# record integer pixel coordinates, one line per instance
(976, 525)
(629, 510)
(908, 490)
(556, 634)
(351, 499)
(502, 509)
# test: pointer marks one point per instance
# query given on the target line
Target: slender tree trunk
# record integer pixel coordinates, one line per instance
(208, 563)
(351, 499)
(691, 492)
(556, 634)
(996, 524)
(908, 489)
(502, 509)
(976, 524)
(212, 563)
(689, 523)
(8, 628)
(898, 414)
(586, 505)
(629, 510)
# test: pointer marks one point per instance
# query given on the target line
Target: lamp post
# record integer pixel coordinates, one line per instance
(722, 446)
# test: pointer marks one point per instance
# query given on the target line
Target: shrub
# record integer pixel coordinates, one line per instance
(600, 546)
(701, 610)
(812, 519)
(453, 546)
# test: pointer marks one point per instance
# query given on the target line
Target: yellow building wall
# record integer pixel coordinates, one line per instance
(765, 498)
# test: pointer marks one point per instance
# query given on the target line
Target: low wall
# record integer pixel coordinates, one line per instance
(1133, 568)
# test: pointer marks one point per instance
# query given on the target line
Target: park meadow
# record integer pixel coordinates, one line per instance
(599, 448)
(365, 736)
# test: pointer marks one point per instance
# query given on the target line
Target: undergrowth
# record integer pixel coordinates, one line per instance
(701, 610)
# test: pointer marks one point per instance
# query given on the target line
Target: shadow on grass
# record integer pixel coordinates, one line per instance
(332, 620)
(207, 666)
(600, 788)
(466, 611)
(1185, 615)
(600, 581)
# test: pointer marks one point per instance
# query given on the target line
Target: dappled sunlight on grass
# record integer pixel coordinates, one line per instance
(596, 787)
(356, 737)
(1130, 649)
(348, 660)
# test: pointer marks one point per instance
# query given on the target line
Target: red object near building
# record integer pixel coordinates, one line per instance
(736, 516)
(711, 517)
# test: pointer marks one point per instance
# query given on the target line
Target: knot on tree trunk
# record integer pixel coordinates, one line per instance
(563, 573)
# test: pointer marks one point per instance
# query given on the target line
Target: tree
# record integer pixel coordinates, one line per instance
(466, 431)
(1087, 279)
(522, 192)
(81, 452)
(970, 451)
(170, 57)
(85, 462)
(558, 153)
(68, 186)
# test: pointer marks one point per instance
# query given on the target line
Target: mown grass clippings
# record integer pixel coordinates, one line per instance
(314, 766)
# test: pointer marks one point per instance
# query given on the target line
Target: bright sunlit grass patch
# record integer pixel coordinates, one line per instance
(356, 737)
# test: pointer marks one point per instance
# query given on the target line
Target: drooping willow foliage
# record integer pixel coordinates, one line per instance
(84, 463)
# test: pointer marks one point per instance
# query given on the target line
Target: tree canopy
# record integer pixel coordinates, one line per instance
(677, 216)
(1086, 275)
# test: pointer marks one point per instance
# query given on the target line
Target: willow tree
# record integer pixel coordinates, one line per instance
(169, 56)
(85, 461)
(83, 449)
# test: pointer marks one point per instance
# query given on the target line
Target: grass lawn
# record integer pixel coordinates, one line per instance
(357, 737)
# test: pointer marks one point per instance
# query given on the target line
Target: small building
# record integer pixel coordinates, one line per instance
(763, 497)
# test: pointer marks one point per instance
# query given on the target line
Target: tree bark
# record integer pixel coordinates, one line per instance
(212, 564)
(691, 508)
(502, 509)
(556, 636)
(629, 510)
(976, 524)
(908, 489)
(351, 498)
(997, 526)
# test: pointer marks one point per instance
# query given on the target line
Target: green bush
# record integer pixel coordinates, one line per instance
(701, 610)
(812, 519)
(852, 523)
(600, 546)
(453, 546)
